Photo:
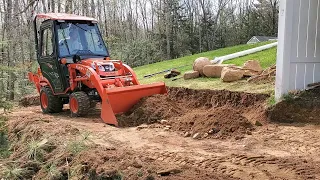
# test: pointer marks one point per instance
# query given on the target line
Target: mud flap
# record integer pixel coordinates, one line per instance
(122, 99)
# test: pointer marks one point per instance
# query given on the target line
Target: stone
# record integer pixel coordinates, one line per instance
(214, 71)
(258, 123)
(191, 75)
(163, 121)
(230, 74)
(205, 135)
(187, 134)
(142, 126)
(137, 163)
(167, 172)
(196, 136)
(213, 131)
(166, 129)
(200, 63)
(253, 65)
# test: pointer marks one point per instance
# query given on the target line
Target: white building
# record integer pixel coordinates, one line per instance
(298, 59)
(257, 39)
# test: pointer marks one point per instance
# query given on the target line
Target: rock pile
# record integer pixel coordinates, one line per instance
(227, 72)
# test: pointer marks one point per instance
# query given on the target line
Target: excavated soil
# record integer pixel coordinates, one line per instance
(303, 107)
(30, 101)
(216, 113)
(86, 148)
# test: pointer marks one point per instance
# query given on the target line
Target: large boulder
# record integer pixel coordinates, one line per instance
(230, 74)
(252, 65)
(252, 68)
(200, 63)
(191, 75)
(214, 71)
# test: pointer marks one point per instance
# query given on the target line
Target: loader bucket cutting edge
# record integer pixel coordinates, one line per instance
(120, 100)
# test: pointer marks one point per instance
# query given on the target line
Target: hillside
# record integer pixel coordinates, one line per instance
(266, 58)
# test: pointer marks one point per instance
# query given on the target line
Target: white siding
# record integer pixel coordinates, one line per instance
(298, 61)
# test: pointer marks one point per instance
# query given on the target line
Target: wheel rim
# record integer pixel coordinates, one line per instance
(44, 100)
(74, 105)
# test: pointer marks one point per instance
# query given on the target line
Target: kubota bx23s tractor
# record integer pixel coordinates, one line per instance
(75, 68)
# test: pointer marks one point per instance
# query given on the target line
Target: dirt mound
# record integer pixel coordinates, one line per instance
(301, 107)
(218, 113)
(219, 122)
(30, 101)
(150, 110)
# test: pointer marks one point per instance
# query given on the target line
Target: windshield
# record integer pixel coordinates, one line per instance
(80, 39)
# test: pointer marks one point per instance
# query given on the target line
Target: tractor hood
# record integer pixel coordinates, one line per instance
(92, 61)
(104, 67)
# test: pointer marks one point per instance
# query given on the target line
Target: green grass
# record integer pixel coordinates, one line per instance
(266, 59)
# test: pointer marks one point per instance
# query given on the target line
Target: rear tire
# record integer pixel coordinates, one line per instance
(79, 104)
(93, 104)
(49, 102)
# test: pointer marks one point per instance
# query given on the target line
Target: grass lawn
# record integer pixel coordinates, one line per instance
(266, 58)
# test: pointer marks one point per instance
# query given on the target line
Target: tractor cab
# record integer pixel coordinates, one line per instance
(65, 39)
(79, 39)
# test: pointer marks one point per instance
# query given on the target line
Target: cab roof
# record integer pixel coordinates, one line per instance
(64, 16)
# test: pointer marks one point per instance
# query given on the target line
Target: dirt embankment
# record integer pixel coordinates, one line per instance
(301, 107)
(209, 113)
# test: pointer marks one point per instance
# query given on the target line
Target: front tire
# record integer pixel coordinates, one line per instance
(49, 102)
(79, 104)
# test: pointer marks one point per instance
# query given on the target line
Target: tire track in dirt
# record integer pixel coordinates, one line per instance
(242, 166)
(222, 160)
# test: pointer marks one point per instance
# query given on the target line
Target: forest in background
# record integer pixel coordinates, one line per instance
(136, 31)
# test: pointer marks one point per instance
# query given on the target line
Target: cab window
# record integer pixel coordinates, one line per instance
(47, 43)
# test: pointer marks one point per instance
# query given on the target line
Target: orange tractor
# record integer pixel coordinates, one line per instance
(75, 69)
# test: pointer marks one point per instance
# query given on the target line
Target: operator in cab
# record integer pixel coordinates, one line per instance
(74, 41)
(71, 44)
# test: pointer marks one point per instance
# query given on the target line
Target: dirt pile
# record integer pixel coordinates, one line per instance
(30, 101)
(150, 110)
(221, 122)
(43, 151)
(301, 107)
(211, 113)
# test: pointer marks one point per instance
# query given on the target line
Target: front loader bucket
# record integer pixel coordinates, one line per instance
(122, 99)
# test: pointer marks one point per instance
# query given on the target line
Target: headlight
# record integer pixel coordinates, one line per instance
(109, 67)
